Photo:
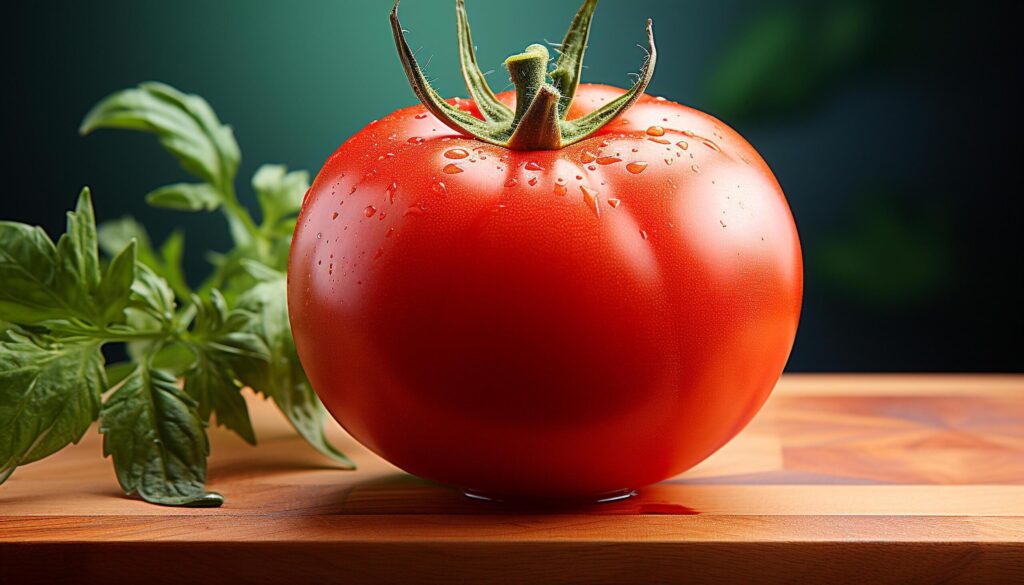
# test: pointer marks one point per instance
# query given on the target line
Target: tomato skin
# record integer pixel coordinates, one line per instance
(470, 323)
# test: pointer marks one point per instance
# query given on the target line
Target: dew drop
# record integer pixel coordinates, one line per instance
(416, 140)
(512, 182)
(421, 116)
(560, 190)
(695, 169)
(440, 188)
(660, 140)
(614, 203)
(391, 232)
(391, 190)
(636, 167)
(368, 212)
(588, 157)
(334, 216)
(452, 169)
(643, 234)
(590, 198)
(532, 166)
(683, 144)
(711, 145)
(414, 210)
(608, 160)
(669, 161)
(689, 133)
(319, 235)
(655, 131)
(533, 182)
(456, 153)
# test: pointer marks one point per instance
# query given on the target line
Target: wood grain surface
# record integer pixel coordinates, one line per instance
(840, 479)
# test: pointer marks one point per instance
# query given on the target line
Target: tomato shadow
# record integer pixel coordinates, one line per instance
(400, 494)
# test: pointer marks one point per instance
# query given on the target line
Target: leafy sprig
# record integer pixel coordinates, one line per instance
(190, 351)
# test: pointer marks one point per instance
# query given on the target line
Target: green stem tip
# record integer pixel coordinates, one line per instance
(542, 99)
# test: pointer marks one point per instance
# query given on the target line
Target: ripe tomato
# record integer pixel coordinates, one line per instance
(555, 324)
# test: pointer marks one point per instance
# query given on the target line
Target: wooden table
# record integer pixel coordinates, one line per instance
(841, 479)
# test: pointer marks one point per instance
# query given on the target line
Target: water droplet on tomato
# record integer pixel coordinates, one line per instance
(655, 131)
(421, 116)
(369, 211)
(695, 168)
(391, 190)
(560, 190)
(711, 145)
(636, 167)
(590, 198)
(660, 141)
(532, 166)
(608, 160)
(683, 144)
(416, 140)
(533, 182)
(614, 203)
(440, 188)
(588, 157)
(512, 182)
(452, 169)
(334, 216)
(414, 210)
(643, 234)
(669, 161)
(319, 235)
(456, 153)
(390, 232)
(689, 133)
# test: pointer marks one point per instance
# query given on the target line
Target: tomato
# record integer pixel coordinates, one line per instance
(566, 323)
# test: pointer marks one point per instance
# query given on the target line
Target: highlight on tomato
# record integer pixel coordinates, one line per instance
(566, 291)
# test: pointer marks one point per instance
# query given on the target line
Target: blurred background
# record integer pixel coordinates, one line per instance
(888, 124)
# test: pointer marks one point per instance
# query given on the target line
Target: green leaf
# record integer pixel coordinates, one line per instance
(279, 192)
(114, 292)
(49, 395)
(185, 125)
(282, 377)
(115, 235)
(186, 197)
(43, 283)
(221, 341)
(158, 443)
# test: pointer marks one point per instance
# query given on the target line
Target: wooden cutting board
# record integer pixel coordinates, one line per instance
(840, 479)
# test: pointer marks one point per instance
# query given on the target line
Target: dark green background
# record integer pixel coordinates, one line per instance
(888, 124)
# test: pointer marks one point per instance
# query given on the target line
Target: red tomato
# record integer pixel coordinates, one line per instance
(555, 324)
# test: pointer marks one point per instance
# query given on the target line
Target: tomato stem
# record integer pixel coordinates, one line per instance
(540, 119)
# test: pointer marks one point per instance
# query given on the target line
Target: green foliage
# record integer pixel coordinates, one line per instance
(60, 304)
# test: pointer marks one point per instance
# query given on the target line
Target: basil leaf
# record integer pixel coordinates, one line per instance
(186, 197)
(49, 395)
(282, 377)
(43, 283)
(115, 235)
(279, 192)
(157, 441)
(221, 340)
(185, 124)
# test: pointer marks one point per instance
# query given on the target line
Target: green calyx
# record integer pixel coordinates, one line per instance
(542, 97)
